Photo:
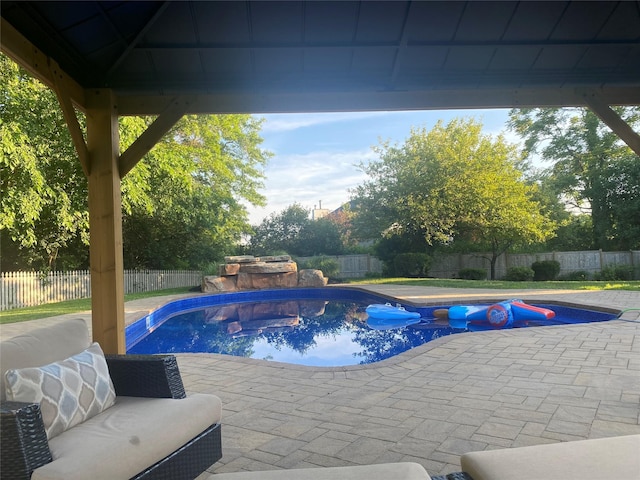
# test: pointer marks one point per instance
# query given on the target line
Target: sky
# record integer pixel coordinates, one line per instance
(316, 155)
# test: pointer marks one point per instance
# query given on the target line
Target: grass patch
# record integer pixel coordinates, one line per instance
(74, 306)
(633, 285)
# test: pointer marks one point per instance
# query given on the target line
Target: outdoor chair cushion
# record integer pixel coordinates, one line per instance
(112, 445)
(382, 471)
(43, 346)
(603, 458)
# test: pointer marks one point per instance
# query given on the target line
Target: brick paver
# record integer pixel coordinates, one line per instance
(460, 393)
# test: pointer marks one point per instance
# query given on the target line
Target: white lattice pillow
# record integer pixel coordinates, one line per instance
(69, 392)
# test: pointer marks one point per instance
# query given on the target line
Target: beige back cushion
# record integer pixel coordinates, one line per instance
(43, 346)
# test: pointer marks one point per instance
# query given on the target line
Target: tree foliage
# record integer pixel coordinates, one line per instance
(185, 200)
(451, 184)
(342, 218)
(183, 204)
(591, 168)
(292, 231)
(278, 233)
(43, 190)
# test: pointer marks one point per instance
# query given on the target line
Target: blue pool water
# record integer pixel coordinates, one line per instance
(319, 327)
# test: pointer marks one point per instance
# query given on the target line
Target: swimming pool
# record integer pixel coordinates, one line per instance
(318, 326)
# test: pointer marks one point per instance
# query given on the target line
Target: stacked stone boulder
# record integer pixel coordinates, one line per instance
(247, 272)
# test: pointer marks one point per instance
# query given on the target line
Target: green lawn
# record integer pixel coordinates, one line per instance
(74, 306)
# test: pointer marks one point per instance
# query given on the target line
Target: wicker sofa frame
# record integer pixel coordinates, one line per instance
(24, 445)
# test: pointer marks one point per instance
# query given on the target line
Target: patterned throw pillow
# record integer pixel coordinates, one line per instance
(69, 392)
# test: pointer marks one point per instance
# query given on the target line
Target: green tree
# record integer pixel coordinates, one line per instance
(319, 237)
(279, 232)
(592, 169)
(292, 231)
(623, 202)
(43, 192)
(452, 184)
(343, 219)
(573, 234)
(183, 204)
(186, 199)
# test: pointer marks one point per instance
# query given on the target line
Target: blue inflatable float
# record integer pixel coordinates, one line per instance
(387, 316)
(499, 315)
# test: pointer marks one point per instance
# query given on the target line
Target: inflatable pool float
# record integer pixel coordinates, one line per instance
(391, 323)
(388, 311)
(499, 315)
(387, 317)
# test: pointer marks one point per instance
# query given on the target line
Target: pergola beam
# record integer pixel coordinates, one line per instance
(152, 135)
(61, 87)
(614, 122)
(292, 102)
(25, 54)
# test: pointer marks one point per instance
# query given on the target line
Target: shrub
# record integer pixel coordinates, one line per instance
(575, 276)
(210, 268)
(412, 264)
(545, 270)
(616, 272)
(329, 266)
(519, 274)
(473, 274)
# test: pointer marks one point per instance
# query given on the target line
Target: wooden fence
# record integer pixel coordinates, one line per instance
(590, 261)
(353, 266)
(26, 289)
(448, 265)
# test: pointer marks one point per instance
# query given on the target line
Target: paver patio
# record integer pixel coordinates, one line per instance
(460, 393)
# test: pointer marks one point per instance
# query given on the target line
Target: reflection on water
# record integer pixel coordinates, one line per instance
(307, 332)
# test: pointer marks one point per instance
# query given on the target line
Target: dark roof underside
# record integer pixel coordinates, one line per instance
(342, 52)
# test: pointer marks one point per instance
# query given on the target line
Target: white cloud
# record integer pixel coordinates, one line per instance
(309, 179)
(285, 122)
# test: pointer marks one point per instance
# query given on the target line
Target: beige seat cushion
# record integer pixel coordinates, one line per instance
(43, 346)
(128, 437)
(605, 458)
(383, 471)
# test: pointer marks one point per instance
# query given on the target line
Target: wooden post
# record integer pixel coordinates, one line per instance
(105, 219)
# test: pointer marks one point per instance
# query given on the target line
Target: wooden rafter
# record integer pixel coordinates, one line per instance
(153, 134)
(613, 121)
(61, 82)
(29, 57)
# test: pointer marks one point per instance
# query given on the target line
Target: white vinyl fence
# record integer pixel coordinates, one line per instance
(26, 289)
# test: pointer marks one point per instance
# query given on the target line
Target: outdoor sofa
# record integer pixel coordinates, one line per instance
(381, 471)
(596, 459)
(84, 421)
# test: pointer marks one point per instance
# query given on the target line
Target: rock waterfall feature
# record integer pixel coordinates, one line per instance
(247, 272)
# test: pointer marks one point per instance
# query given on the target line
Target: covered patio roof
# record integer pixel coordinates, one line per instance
(170, 58)
(287, 56)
